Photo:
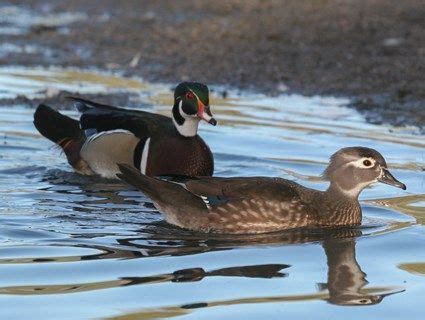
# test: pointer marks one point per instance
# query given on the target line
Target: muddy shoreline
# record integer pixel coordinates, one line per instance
(372, 51)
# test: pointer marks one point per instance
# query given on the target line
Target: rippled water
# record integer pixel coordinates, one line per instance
(79, 247)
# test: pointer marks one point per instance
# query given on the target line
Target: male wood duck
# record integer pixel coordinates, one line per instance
(263, 204)
(153, 144)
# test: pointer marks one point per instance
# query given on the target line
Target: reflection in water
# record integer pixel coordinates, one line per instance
(105, 253)
(411, 205)
(345, 285)
(417, 268)
(266, 271)
(345, 277)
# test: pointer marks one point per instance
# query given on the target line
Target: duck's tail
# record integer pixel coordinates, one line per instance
(160, 191)
(174, 201)
(62, 130)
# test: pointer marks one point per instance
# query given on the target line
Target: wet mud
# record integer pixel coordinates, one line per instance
(372, 51)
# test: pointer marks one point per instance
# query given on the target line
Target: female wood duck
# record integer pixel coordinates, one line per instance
(152, 143)
(262, 204)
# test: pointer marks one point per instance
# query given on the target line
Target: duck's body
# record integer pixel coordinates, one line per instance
(106, 135)
(244, 205)
(254, 204)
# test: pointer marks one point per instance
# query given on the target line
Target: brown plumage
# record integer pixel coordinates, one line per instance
(262, 204)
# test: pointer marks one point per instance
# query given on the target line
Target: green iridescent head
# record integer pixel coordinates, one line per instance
(192, 99)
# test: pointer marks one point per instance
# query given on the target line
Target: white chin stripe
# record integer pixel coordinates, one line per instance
(189, 128)
(145, 154)
(357, 189)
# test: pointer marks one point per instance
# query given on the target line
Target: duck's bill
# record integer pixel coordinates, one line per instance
(209, 119)
(205, 114)
(387, 178)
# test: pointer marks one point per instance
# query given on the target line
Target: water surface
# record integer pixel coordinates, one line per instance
(75, 247)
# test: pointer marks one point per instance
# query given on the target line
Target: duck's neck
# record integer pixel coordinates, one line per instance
(186, 126)
(349, 194)
(341, 207)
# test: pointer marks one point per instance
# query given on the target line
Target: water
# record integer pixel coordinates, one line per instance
(74, 247)
(16, 20)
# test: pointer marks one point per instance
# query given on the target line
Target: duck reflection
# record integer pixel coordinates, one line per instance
(345, 283)
(344, 286)
(266, 271)
(346, 280)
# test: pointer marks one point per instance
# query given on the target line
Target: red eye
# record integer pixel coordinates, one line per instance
(190, 95)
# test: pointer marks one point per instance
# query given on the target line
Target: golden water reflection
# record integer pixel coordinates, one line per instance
(417, 268)
(411, 205)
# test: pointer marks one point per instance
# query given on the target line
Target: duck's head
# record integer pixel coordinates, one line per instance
(354, 168)
(192, 101)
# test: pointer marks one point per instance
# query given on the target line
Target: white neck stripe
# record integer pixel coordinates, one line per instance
(189, 128)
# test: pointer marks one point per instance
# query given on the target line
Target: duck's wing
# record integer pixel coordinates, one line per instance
(97, 117)
(221, 190)
(217, 191)
(252, 205)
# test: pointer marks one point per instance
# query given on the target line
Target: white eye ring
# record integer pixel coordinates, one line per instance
(367, 163)
(364, 163)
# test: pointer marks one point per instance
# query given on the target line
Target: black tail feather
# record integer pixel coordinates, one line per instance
(55, 126)
(160, 191)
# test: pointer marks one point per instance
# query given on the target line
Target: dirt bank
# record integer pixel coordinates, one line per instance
(371, 50)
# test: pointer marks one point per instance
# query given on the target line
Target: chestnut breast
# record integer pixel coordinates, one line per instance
(177, 155)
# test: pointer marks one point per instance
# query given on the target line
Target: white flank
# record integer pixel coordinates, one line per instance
(145, 154)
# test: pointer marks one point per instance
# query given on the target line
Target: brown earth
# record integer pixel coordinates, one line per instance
(370, 50)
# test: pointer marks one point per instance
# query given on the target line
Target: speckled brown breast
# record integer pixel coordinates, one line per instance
(334, 210)
(258, 215)
(179, 156)
(262, 212)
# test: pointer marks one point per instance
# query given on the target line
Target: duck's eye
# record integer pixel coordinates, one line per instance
(190, 95)
(367, 163)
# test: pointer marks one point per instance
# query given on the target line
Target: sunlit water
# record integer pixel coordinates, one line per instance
(74, 247)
